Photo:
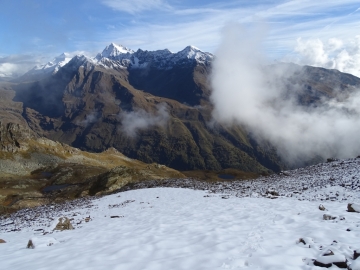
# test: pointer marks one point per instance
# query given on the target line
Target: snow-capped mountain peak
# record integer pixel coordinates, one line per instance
(113, 50)
(118, 56)
(50, 67)
(54, 65)
(192, 52)
(162, 59)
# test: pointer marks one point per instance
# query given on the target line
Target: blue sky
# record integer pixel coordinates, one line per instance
(33, 31)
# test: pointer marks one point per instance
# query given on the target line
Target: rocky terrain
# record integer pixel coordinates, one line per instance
(333, 181)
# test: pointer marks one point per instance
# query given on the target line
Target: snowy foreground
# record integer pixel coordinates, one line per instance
(174, 228)
(168, 228)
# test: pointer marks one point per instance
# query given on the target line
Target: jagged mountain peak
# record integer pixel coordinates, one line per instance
(61, 57)
(191, 48)
(163, 59)
(118, 56)
(54, 64)
(114, 50)
(192, 52)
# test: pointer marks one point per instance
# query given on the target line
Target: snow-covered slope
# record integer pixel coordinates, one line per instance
(168, 228)
(229, 225)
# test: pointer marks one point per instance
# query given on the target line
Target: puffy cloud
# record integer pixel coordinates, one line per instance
(15, 65)
(333, 53)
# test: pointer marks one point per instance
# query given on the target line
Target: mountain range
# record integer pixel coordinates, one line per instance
(150, 105)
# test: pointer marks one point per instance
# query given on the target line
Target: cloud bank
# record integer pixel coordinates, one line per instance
(333, 53)
(246, 93)
(137, 120)
(15, 65)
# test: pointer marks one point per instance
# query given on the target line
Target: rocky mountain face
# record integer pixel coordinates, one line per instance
(154, 106)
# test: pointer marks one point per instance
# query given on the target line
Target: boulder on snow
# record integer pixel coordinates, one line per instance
(356, 254)
(322, 208)
(64, 224)
(2, 241)
(328, 217)
(352, 207)
(328, 258)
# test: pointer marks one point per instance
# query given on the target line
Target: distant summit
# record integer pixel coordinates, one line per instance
(52, 67)
(114, 50)
(162, 59)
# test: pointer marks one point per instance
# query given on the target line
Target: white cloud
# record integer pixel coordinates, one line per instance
(132, 122)
(135, 6)
(89, 119)
(244, 94)
(333, 53)
(8, 69)
(15, 65)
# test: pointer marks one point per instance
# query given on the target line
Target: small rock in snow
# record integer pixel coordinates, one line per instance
(36, 242)
(328, 217)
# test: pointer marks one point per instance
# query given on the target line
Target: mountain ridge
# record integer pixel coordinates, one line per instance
(86, 102)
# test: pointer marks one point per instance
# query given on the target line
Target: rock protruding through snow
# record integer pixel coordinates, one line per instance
(352, 207)
(64, 224)
(37, 242)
